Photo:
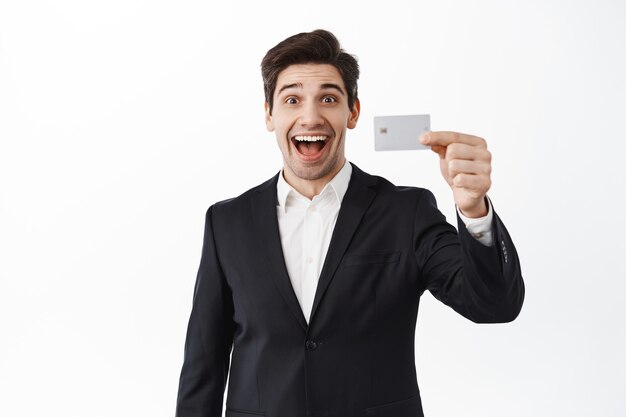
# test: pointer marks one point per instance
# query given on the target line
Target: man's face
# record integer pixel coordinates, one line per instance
(310, 118)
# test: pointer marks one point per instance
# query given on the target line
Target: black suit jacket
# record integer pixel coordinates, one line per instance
(355, 357)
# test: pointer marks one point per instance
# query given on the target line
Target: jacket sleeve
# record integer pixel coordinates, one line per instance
(209, 337)
(484, 284)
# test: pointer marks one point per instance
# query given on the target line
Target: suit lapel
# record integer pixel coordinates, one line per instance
(263, 207)
(357, 199)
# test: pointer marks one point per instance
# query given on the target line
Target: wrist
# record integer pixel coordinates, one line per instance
(477, 211)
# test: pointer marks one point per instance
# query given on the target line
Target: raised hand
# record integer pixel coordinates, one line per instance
(465, 164)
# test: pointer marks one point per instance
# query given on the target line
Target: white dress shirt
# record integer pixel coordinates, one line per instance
(306, 227)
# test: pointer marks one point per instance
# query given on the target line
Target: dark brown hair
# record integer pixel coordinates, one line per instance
(317, 47)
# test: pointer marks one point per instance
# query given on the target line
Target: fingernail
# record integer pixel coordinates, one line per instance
(424, 138)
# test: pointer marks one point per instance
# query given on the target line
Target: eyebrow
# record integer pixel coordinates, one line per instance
(324, 86)
(334, 87)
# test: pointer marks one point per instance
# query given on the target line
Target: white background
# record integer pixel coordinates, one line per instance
(121, 121)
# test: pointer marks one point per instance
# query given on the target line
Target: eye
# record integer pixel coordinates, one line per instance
(291, 100)
(329, 99)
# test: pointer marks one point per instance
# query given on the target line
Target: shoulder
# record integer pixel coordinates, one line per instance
(386, 189)
(235, 206)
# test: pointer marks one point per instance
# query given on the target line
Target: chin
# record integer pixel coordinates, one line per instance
(309, 173)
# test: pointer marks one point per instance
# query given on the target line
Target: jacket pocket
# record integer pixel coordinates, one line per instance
(372, 258)
(241, 413)
(410, 407)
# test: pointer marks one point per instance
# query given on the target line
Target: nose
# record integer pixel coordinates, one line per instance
(311, 115)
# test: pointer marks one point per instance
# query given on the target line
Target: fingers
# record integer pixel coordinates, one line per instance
(479, 184)
(445, 138)
(460, 151)
(467, 152)
(460, 166)
(468, 167)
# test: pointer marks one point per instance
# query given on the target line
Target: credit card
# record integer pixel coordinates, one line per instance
(400, 133)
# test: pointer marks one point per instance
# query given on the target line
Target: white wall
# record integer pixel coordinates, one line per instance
(121, 121)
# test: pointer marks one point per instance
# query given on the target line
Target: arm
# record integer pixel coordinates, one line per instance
(482, 283)
(209, 338)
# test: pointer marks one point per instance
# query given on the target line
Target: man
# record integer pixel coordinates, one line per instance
(313, 278)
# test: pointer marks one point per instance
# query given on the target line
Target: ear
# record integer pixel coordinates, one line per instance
(269, 122)
(354, 114)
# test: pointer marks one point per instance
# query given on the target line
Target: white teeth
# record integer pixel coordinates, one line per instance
(310, 138)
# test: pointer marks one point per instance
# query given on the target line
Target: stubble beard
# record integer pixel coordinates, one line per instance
(312, 173)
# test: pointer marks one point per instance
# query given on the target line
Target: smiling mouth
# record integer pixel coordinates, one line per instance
(309, 145)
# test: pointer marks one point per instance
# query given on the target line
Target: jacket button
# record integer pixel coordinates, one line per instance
(310, 345)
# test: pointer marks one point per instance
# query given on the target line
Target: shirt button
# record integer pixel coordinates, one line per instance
(310, 345)
(309, 260)
(313, 208)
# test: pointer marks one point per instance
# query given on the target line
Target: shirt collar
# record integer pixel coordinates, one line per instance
(338, 186)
